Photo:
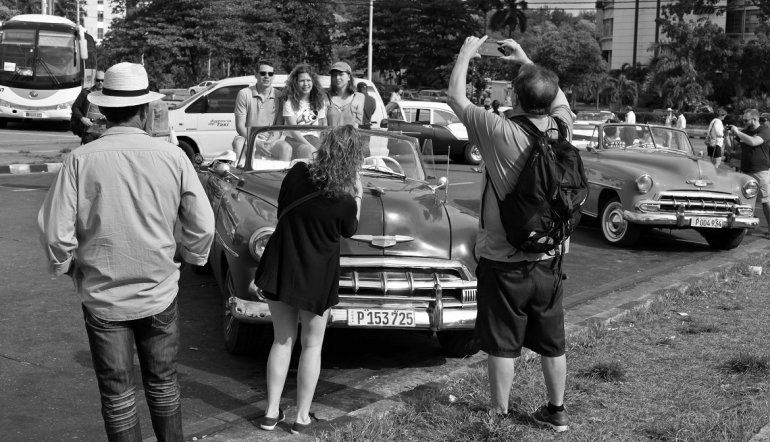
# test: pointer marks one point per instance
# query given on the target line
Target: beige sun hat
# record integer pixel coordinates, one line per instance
(125, 84)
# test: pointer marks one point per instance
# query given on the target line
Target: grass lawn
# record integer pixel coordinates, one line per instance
(32, 157)
(694, 366)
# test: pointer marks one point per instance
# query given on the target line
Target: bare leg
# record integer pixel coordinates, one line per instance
(501, 371)
(285, 331)
(555, 375)
(313, 330)
(766, 209)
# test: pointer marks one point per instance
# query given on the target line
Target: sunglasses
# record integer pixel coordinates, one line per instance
(99, 81)
(266, 74)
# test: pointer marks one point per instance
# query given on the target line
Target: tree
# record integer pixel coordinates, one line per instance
(509, 14)
(622, 90)
(418, 36)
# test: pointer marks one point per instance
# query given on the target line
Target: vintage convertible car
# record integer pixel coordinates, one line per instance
(410, 265)
(644, 176)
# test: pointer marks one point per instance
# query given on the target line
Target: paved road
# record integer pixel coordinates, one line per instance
(37, 137)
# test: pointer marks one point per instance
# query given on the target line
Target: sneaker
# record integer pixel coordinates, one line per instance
(269, 423)
(557, 421)
(299, 428)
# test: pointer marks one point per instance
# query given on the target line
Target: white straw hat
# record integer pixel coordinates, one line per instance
(125, 84)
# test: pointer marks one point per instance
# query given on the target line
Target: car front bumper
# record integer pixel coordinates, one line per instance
(435, 315)
(730, 221)
(42, 115)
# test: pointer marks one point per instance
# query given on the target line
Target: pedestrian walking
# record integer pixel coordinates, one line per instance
(754, 142)
(318, 203)
(370, 105)
(630, 115)
(519, 299)
(715, 138)
(86, 120)
(259, 106)
(305, 105)
(108, 222)
(681, 121)
(346, 106)
(670, 118)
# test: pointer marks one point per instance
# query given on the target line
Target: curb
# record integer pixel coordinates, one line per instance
(237, 425)
(17, 169)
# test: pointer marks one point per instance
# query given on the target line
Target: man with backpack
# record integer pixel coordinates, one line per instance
(519, 288)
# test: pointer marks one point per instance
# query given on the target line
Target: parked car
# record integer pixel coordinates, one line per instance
(201, 86)
(205, 123)
(410, 264)
(645, 176)
(594, 117)
(432, 95)
(435, 122)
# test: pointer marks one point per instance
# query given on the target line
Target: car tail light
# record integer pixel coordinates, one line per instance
(258, 241)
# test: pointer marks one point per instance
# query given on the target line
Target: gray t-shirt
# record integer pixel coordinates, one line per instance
(505, 149)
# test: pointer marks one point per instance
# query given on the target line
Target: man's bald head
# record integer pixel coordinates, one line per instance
(536, 87)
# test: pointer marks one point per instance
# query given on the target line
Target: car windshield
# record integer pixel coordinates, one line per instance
(629, 136)
(386, 155)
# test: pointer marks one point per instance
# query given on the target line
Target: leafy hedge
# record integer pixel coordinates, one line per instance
(660, 118)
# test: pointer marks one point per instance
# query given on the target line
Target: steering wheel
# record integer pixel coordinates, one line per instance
(383, 163)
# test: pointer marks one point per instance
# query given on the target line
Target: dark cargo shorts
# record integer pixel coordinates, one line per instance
(517, 306)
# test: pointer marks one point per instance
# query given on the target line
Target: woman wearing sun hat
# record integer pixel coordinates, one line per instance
(346, 106)
(108, 222)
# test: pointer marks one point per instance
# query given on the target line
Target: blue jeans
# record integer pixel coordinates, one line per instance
(112, 350)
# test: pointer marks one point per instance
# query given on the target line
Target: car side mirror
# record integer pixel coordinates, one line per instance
(384, 122)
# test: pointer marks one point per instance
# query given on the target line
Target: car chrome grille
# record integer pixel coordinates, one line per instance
(415, 282)
(698, 202)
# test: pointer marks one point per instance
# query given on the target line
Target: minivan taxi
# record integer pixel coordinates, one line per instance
(205, 124)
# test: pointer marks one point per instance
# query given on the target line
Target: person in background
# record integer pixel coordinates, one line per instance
(630, 115)
(496, 107)
(318, 204)
(85, 115)
(670, 118)
(715, 138)
(488, 104)
(370, 105)
(346, 106)
(108, 221)
(764, 119)
(305, 105)
(755, 155)
(258, 106)
(395, 96)
(519, 300)
(681, 122)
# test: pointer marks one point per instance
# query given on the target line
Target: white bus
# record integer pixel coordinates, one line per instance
(45, 61)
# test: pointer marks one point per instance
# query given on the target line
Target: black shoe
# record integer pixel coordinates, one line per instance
(299, 428)
(558, 421)
(269, 423)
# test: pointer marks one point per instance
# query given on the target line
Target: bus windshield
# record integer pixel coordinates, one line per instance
(39, 59)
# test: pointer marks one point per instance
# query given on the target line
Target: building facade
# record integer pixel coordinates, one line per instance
(96, 17)
(628, 30)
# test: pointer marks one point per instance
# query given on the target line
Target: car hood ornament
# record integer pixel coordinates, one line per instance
(382, 241)
(700, 183)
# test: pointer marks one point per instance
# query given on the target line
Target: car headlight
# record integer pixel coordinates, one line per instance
(258, 241)
(63, 106)
(750, 189)
(644, 184)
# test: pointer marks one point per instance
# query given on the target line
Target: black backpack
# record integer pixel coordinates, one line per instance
(544, 207)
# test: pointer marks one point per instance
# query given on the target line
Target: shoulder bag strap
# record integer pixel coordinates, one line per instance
(298, 202)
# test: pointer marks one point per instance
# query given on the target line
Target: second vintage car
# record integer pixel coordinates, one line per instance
(645, 176)
(410, 264)
(436, 122)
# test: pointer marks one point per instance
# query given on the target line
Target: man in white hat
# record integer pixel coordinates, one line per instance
(108, 222)
(670, 118)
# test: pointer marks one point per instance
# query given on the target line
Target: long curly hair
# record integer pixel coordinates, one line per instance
(337, 161)
(293, 94)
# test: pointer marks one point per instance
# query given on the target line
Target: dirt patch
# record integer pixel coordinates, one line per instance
(26, 157)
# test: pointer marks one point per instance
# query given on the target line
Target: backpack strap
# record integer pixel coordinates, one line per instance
(298, 202)
(530, 129)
